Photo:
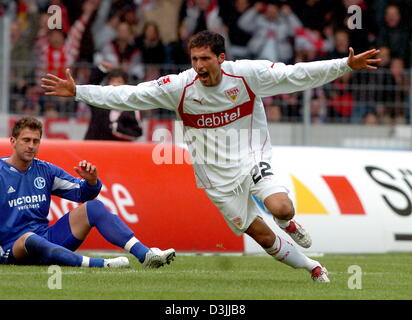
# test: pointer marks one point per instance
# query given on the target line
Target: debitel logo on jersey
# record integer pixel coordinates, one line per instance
(218, 119)
(39, 182)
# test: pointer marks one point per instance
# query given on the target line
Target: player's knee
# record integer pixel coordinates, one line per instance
(94, 209)
(284, 210)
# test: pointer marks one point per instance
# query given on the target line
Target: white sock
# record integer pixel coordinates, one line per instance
(285, 252)
(85, 261)
(282, 223)
(128, 246)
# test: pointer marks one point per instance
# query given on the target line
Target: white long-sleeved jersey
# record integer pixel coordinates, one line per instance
(225, 125)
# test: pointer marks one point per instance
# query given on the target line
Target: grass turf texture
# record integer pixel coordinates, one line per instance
(217, 277)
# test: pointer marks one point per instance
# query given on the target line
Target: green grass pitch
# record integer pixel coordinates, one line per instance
(217, 277)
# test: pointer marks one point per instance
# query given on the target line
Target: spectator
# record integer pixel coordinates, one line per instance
(166, 15)
(201, 15)
(271, 30)
(394, 34)
(311, 12)
(338, 93)
(368, 89)
(272, 109)
(111, 124)
(340, 47)
(311, 45)
(123, 53)
(290, 106)
(104, 27)
(340, 99)
(22, 43)
(238, 37)
(54, 52)
(318, 108)
(152, 50)
(398, 92)
(22, 63)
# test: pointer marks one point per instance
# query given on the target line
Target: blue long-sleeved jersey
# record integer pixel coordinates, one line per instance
(25, 196)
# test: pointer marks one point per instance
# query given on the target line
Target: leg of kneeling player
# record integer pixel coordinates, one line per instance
(95, 214)
(36, 249)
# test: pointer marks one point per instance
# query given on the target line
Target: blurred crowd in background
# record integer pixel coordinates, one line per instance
(148, 38)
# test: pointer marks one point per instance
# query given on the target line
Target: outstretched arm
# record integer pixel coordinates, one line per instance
(268, 78)
(162, 93)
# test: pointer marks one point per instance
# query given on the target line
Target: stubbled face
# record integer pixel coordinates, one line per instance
(26, 145)
(207, 65)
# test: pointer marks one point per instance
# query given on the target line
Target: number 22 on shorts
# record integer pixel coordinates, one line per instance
(263, 169)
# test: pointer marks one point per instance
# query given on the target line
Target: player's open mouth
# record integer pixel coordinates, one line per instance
(203, 75)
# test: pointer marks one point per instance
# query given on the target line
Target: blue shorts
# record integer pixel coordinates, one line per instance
(59, 233)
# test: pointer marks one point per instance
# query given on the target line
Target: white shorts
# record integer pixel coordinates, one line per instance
(238, 207)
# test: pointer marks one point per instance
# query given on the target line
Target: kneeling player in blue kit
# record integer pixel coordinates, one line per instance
(27, 185)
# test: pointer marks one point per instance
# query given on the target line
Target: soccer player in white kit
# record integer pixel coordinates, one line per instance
(220, 100)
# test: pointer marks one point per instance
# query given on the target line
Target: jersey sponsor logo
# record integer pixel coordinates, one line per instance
(232, 94)
(39, 182)
(32, 201)
(218, 119)
(11, 190)
(163, 80)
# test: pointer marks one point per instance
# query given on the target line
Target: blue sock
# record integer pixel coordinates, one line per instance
(139, 251)
(49, 253)
(113, 229)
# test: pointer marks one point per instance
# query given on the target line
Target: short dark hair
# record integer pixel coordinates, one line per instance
(26, 122)
(210, 39)
(118, 73)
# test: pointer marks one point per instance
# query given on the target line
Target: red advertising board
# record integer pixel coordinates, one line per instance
(161, 203)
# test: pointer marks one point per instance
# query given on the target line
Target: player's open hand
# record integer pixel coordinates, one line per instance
(87, 171)
(56, 86)
(363, 60)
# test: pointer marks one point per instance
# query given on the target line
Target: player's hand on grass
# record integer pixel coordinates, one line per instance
(56, 86)
(87, 171)
(363, 60)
